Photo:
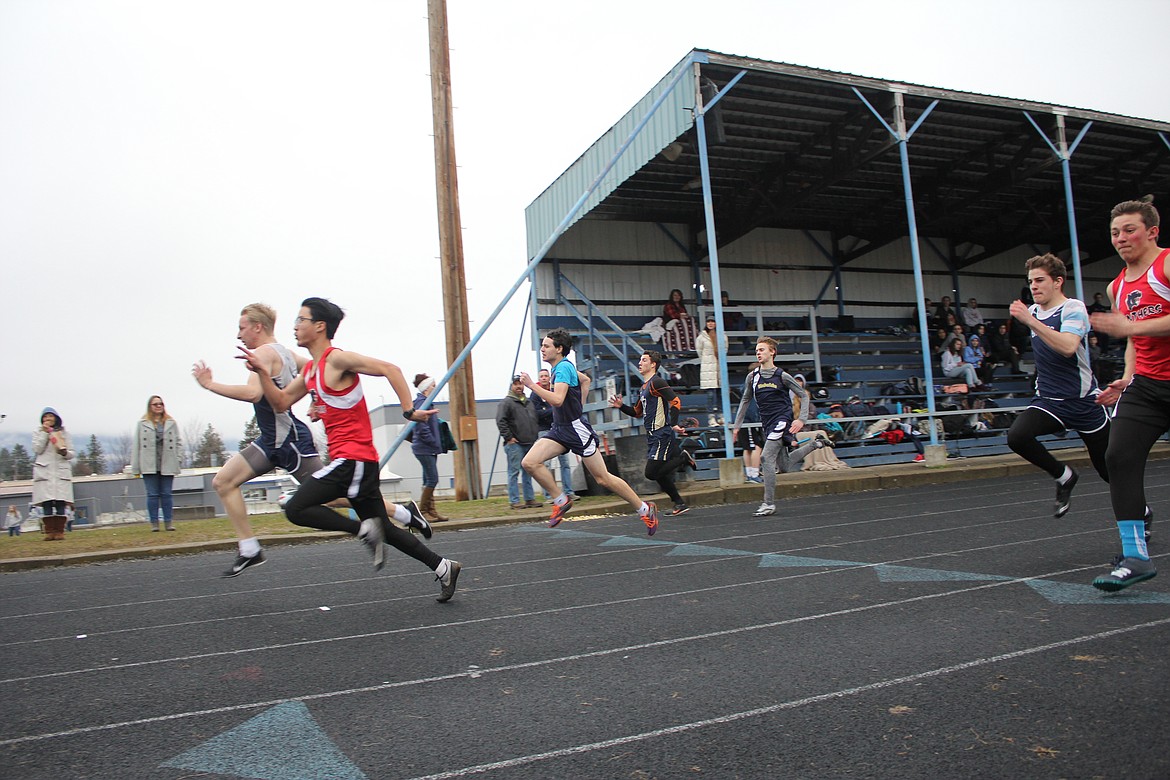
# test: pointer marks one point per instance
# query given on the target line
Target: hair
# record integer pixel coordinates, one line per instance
(1143, 206)
(771, 342)
(561, 338)
(326, 311)
(655, 356)
(681, 297)
(418, 378)
(57, 424)
(262, 314)
(150, 416)
(951, 345)
(1049, 264)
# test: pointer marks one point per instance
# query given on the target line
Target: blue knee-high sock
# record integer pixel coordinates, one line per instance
(1133, 539)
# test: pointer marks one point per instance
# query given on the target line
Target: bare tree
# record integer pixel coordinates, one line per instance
(192, 440)
(120, 451)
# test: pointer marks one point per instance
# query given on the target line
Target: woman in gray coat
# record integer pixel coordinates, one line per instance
(52, 473)
(156, 457)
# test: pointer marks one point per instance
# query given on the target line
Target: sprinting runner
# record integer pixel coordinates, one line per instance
(658, 406)
(285, 441)
(571, 433)
(770, 387)
(1066, 390)
(1140, 297)
(332, 379)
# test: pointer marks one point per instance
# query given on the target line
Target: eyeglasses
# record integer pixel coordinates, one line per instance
(156, 403)
(299, 320)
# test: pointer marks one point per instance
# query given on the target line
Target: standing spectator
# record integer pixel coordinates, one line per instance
(1000, 349)
(710, 347)
(680, 328)
(970, 316)
(155, 457)
(426, 445)
(52, 473)
(12, 521)
(544, 417)
(519, 428)
(1100, 306)
(954, 367)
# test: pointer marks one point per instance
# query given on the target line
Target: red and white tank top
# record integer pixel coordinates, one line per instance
(1147, 298)
(347, 421)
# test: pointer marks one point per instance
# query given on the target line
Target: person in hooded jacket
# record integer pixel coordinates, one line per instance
(52, 491)
(427, 446)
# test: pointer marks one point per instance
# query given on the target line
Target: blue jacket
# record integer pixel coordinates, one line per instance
(425, 437)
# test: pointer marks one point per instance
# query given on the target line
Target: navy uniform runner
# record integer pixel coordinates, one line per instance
(1065, 385)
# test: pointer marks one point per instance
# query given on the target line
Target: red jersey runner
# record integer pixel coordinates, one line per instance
(1147, 298)
(344, 412)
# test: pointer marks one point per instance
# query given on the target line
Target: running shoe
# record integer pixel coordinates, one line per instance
(1149, 518)
(370, 534)
(243, 562)
(679, 509)
(448, 585)
(756, 480)
(558, 513)
(919, 458)
(1064, 496)
(765, 510)
(1128, 571)
(690, 462)
(651, 518)
(417, 520)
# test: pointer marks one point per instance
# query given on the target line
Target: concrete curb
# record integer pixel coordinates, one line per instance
(801, 484)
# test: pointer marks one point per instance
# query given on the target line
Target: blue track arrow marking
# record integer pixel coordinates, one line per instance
(1071, 593)
(702, 549)
(794, 561)
(888, 573)
(634, 541)
(283, 743)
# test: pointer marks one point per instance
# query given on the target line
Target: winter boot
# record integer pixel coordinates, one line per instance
(427, 506)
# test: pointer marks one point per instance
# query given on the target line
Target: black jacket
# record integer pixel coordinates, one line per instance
(516, 418)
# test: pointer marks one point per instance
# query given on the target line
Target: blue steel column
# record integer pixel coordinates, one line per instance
(713, 249)
(902, 136)
(1064, 153)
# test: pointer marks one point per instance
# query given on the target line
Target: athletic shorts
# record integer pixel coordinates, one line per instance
(300, 464)
(577, 437)
(778, 430)
(356, 480)
(1146, 401)
(1082, 415)
(661, 447)
(749, 438)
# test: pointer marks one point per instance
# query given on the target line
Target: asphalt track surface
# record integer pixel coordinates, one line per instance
(944, 631)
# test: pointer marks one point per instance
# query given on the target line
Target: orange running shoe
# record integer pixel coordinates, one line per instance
(651, 518)
(558, 513)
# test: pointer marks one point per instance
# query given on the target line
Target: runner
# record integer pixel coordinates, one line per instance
(332, 379)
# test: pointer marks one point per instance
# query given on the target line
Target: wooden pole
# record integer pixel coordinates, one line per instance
(456, 327)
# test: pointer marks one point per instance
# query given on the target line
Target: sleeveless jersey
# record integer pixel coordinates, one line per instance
(347, 421)
(276, 429)
(1059, 377)
(771, 395)
(571, 409)
(656, 412)
(1147, 298)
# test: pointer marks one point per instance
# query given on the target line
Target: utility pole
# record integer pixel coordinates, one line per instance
(455, 321)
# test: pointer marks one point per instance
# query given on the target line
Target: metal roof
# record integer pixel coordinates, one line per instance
(802, 151)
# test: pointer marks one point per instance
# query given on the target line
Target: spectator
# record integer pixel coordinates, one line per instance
(52, 473)
(1099, 306)
(970, 316)
(973, 353)
(426, 444)
(938, 341)
(710, 347)
(519, 428)
(155, 458)
(954, 367)
(945, 310)
(680, 328)
(12, 521)
(734, 321)
(956, 332)
(1000, 349)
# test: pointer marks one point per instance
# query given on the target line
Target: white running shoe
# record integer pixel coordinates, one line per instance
(764, 510)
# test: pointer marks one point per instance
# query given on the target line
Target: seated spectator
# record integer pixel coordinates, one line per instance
(1000, 350)
(680, 328)
(973, 353)
(970, 316)
(957, 332)
(834, 430)
(938, 341)
(946, 309)
(735, 321)
(954, 367)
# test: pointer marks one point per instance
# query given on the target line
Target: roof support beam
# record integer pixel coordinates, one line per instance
(902, 137)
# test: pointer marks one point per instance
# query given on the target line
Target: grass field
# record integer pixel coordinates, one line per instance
(122, 537)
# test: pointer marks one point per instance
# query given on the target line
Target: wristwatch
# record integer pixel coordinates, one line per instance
(408, 413)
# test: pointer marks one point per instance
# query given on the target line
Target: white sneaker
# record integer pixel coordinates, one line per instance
(765, 509)
(370, 534)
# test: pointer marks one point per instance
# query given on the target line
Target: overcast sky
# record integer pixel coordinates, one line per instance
(163, 163)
